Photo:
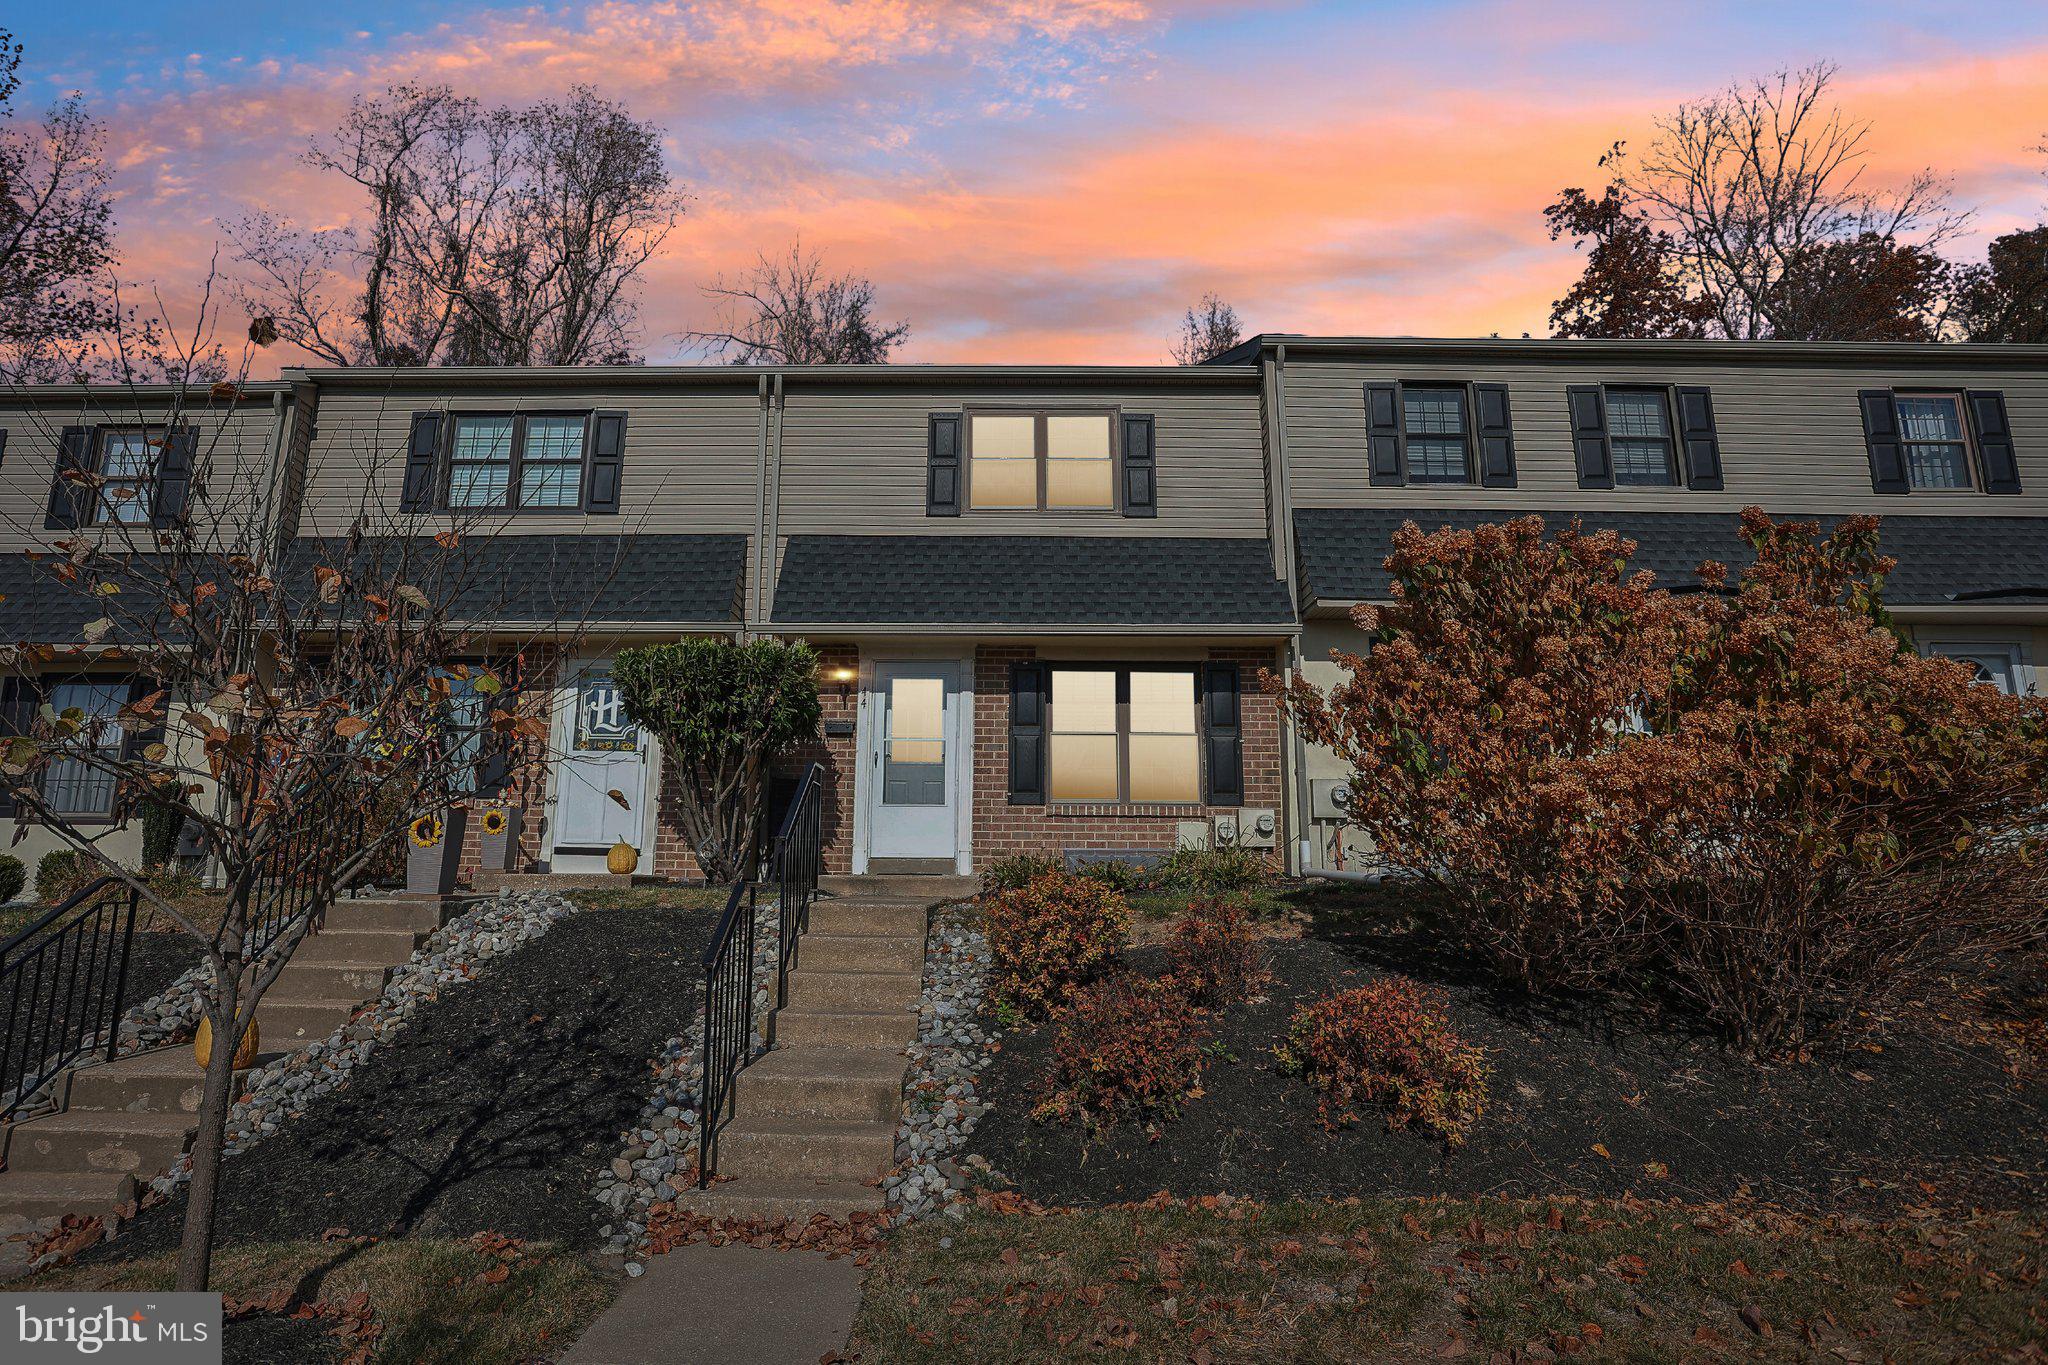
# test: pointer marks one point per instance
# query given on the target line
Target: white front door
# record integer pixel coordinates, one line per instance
(601, 752)
(914, 762)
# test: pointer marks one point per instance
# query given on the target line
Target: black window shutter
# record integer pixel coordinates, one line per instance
(942, 465)
(1222, 735)
(1589, 435)
(1881, 440)
(71, 500)
(1141, 467)
(607, 465)
(3, 444)
(1702, 442)
(422, 462)
(18, 701)
(494, 771)
(1027, 734)
(1496, 428)
(1383, 434)
(173, 477)
(1998, 465)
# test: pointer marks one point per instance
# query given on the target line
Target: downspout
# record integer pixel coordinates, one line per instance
(1293, 749)
(755, 608)
(773, 511)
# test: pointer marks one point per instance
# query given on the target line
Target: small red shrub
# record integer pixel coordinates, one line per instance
(1215, 950)
(1388, 1044)
(1051, 935)
(1126, 1046)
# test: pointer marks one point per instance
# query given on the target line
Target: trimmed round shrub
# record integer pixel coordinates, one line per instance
(58, 873)
(1127, 1047)
(1052, 935)
(13, 876)
(1215, 950)
(1388, 1044)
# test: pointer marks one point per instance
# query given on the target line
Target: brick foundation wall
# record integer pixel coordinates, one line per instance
(1001, 829)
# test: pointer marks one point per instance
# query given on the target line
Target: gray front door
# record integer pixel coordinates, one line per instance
(913, 808)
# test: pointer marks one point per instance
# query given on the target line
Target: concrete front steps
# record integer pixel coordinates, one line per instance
(127, 1120)
(814, 1122)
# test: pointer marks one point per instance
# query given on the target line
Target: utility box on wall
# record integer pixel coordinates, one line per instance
(1257, 828)
(1329, 798)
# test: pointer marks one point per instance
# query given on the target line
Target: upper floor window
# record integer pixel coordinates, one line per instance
(1041, 461)
(1939, 440)
(541, 455)
(1439, 433)
(1937, 451)
(1433, 419)
(1994, 663)
(127, 470)
(1639, 428)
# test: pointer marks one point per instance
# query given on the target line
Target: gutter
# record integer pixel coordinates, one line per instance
(756, 605)
(771, 510)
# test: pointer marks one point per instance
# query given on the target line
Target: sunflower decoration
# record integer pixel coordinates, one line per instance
(426, 831)
(494, 820)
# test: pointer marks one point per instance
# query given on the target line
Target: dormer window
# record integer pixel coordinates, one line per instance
(1639, 427)
(128, 474)
(1438, 435)
(1937, 451)
(539, 454)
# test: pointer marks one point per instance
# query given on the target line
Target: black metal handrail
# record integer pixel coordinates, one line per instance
(728, 1020)
(796, 859)
(296, 884)
(65, 980)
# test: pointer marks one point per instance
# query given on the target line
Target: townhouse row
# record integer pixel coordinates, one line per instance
(1044, 595)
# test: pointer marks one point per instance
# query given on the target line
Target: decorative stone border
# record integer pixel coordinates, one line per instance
(450, 956)
(940, 1109)
(656, 1156)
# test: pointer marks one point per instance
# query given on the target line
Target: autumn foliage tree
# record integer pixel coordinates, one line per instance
(1757, 799)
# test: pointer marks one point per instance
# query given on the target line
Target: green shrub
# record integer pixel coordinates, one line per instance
(161, 821)
(1118, 876)
(1387, 1044)
(1051, 936)
(1017, 870)
(13, 876)
(59, 873)
(723, 712)
(1211, 871)
(1215, 950)
(1130, 1046)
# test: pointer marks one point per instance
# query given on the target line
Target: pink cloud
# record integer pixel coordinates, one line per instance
(1017, 203)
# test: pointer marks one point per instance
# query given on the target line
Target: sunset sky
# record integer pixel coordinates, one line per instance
(1027, 180)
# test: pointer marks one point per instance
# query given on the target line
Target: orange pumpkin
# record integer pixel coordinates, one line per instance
(622, 859)
(202, 1045)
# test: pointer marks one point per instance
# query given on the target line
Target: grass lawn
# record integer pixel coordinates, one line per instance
(1385, 1279)
(429, 1299)
(652, 898)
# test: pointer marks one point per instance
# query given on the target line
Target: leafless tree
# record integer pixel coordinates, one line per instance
(292, 686)
(1761, 190)
(491, 236)
(1209, 329)
(788, 311)
(56, 234)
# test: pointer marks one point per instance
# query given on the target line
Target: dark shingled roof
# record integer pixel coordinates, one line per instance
(1340, 550)
(1029, 580)
(593, 578)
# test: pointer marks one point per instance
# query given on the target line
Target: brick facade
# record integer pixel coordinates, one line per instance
(1001, 829)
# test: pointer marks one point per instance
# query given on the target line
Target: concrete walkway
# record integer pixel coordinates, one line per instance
(794, 1307)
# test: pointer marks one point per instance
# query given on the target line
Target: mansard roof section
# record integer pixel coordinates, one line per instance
(1942, 560)
(1053, 582)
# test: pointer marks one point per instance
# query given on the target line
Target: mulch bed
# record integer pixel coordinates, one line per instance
(493, 1110)
(1926, 1119)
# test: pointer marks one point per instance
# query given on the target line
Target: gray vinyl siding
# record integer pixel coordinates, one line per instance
(691, 454)
(231, 461)
(1791, 435)
(853, 461)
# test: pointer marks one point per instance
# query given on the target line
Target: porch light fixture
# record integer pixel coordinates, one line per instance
(844, 677)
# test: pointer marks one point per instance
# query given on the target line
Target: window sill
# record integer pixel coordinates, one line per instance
(1125, 809)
